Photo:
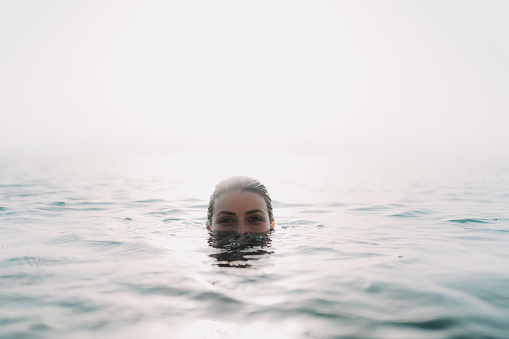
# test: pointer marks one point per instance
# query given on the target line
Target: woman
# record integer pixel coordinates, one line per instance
(240, 212)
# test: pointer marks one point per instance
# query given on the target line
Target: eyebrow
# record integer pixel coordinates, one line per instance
(225, 212)
(247, 213)
(254, 211)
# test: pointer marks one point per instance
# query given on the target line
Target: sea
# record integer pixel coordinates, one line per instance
(115, 246)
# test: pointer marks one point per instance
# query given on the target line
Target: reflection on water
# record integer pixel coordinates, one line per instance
(235, 250)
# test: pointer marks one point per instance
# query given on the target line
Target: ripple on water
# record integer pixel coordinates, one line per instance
(169, 220)
(152, 201)
(372, 208)
(436, 324)
(472, 220)
(94, 206)
(32, 277)
(298, 223)
(28, 261)
(122, 250)
(104, 243)
(157, 289)
(412, 214)
(166, 211)
(118, 249)
(220, 303)
(67, 239)
(307, 250)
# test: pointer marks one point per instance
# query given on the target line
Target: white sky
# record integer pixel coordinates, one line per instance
(319, 76)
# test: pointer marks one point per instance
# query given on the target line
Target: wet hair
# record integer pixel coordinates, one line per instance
(239, 183)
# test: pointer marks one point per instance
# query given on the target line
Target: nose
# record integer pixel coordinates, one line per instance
(241, 229)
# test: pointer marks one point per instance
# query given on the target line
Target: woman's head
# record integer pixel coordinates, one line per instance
(240, 204)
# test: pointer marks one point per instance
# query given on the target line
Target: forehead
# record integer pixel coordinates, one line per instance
(240, 201)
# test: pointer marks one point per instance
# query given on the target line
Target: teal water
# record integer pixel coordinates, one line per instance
(116, 248)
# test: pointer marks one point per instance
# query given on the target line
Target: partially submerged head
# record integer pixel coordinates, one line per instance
(241, 205)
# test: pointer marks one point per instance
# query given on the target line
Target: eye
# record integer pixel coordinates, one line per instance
(255, 219)
(225, 220)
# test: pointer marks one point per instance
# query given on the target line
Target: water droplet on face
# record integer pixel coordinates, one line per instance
(234, 244)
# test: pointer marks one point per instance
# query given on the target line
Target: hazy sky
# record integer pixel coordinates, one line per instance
(319, 76)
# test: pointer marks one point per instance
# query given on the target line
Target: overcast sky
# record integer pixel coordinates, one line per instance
(316, 76)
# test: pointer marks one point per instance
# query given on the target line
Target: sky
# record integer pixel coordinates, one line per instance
(345, 77)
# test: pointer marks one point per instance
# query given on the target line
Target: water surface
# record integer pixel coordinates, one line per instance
(116, 247)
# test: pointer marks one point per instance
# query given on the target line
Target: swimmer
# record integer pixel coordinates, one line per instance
(240, 213)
